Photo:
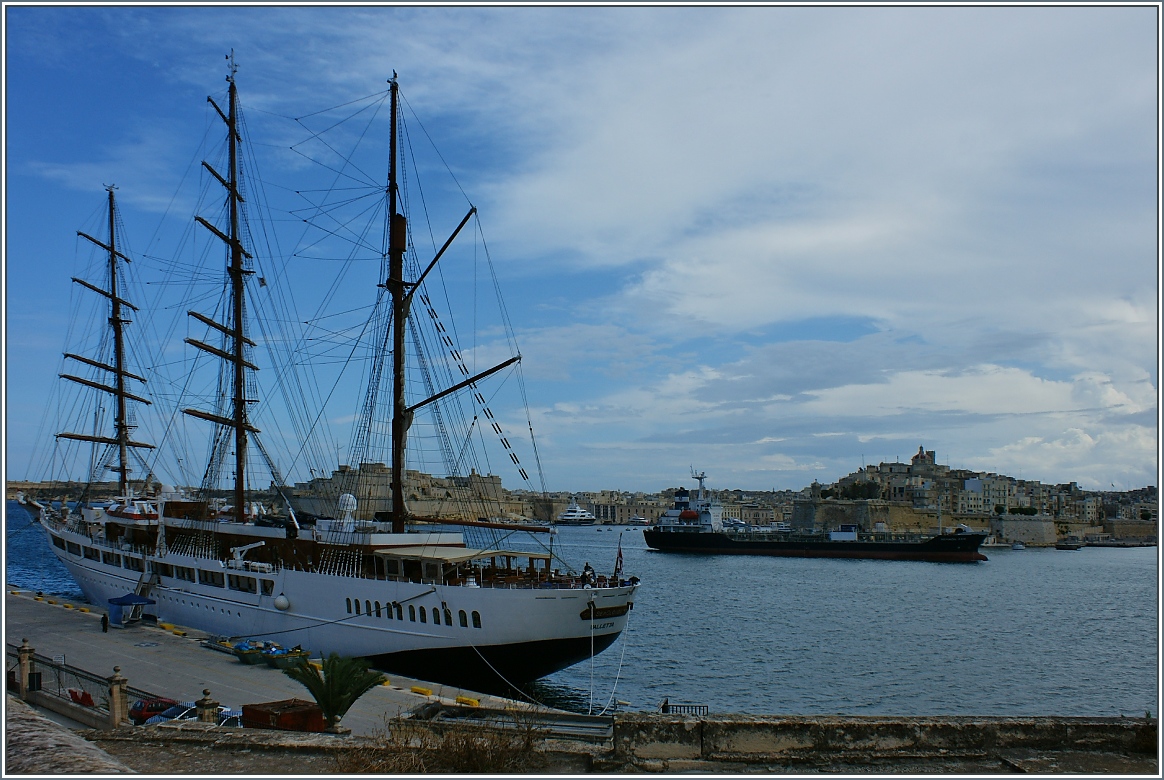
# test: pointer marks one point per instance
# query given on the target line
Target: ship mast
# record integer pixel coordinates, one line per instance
(121, 423)
(236, 356)
(402, 293)
(397, 241)
(237, 291)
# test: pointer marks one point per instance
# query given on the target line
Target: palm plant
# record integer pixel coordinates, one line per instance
(337, 687)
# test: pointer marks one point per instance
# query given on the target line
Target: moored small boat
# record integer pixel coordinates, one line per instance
(282, 658)
(249, 653)
(221, 644)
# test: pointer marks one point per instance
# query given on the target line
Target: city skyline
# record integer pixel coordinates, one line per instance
(767, 243)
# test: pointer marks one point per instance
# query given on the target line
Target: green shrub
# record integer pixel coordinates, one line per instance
(335, 689)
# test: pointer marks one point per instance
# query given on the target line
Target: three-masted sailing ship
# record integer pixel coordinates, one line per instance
(413, 596)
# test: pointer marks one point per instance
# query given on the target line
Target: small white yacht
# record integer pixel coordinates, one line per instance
(576, 515)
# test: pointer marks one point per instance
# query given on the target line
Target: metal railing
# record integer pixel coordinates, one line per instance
(685, 709)
(72, 683)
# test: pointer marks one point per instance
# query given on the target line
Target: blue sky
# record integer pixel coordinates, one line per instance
(769, 243)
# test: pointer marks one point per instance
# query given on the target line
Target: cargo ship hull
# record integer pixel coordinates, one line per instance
(947, 548)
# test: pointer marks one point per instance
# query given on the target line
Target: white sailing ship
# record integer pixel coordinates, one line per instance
(415, 597)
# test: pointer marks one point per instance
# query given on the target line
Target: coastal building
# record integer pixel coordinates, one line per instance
(977, 498)
(752, 513)
(902, 496)
(425, 494)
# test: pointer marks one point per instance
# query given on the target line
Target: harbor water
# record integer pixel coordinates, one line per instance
(1033, 632)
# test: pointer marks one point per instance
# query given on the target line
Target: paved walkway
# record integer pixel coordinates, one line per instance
(156, 660)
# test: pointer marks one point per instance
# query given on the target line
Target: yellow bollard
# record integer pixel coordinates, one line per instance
(422, 691)
(465, 700)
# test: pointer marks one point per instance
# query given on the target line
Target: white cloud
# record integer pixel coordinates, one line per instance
(974, 186)
(989, 390)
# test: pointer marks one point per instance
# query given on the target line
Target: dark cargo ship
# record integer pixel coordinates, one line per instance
(699, 528)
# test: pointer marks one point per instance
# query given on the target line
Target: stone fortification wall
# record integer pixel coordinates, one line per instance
(829, 513)
(1028, 530)
(1131, 529)
(904, 518)
(425, 494)
(1077, 528)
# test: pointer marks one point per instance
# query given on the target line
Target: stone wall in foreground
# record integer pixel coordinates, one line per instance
(34, 745)
(752, 739)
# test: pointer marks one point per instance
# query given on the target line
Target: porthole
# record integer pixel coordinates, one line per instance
(448, 616)
(476, 619)
(377, 609)
(367, 607)
(399, 612)
(423, 615)
(412, 613)
(436, 616)
(349, 605)
(463, 618)
(357, 606)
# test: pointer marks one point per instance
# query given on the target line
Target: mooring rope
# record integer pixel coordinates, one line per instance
(590, 709)
(504, 678)
(621, 657)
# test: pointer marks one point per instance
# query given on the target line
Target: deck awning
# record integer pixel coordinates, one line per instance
(455, 554)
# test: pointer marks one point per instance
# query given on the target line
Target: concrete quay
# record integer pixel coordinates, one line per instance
(159, 661)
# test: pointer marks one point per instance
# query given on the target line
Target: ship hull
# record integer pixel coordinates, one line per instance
(948, 548)
(490, 637)
(483, 668)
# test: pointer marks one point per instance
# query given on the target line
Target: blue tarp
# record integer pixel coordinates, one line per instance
(116, 615)
(130, 600)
